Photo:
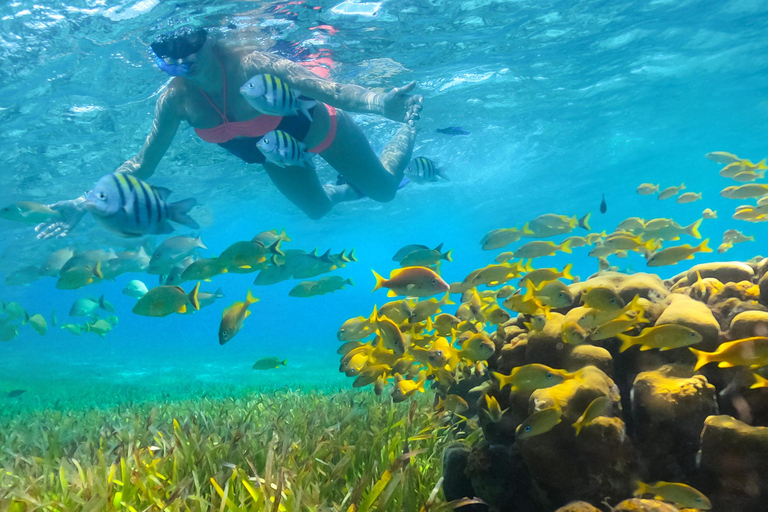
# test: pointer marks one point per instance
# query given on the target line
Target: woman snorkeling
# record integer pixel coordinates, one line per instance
(206, 93)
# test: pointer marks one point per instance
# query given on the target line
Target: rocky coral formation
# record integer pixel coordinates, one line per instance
(621, 404)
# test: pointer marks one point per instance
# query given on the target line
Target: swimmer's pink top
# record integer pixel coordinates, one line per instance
(228, 130)
(256, 127)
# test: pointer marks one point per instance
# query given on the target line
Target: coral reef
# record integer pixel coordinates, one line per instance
(631, 402)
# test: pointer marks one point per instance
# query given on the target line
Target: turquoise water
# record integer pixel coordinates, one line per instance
(563, 103)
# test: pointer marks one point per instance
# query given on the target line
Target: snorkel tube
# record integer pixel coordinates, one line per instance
(172, 69)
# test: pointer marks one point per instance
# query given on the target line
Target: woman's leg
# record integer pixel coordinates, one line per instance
(353, 157)
(302, 187)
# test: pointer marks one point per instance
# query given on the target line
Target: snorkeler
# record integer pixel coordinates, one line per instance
(205, 93)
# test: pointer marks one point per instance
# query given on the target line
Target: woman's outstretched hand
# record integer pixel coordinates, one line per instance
(71, 212)
(401, 106)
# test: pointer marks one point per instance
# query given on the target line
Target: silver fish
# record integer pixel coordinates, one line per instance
(423, 170)
(283, 150)
(270, 95)
(128, 206)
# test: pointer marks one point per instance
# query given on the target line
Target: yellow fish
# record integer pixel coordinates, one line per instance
(620, 242)
(709, 213)
(494, 275)
(444, 323)
(29, 212)
(493, 410)
(370, 374)
(745, 191)
(477, 348)
(203, 270)
(601, 298)
(671, 231)
(391, 336)
(538, 423)
(348, 347)
(525, 303)
(735, 236)
(538, 276)
(725, 246)
(551, 224)
(760, 381)
(397, 310)
(164, 300)
(356, 328)
(682, 495)
(271, 237)
(493, 314)
(752, 352)
(405, 388)
(662, 337)
(673, 255)
(670, 191)
(633, 224)
(233, 317)
(425, 257)
(38, 323)
(427, 308)
(555, 294)
(411, 281)
(538, 249)
(453, 403)
(78, 277)
(646, 189)
(615, 327)
(498, 238)
(530, 377)
(243, 257)
(747, 176)
(722, 157)
(600, 406)
(688, 197)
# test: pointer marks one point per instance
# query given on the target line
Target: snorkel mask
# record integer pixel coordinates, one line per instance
(175, 46)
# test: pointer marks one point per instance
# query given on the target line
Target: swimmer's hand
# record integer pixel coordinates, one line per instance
(398, 105)
(71, 212)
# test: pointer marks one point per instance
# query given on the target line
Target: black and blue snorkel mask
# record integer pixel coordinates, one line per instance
(175, 46)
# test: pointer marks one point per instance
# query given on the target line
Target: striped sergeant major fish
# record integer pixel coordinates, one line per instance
(130, 207)
(423, 170)
(282, 149)
(270, 95)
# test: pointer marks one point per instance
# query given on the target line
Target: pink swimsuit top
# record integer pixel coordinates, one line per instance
(256, 127)
(228, 130)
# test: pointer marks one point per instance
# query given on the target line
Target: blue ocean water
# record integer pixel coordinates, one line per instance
(564, 102)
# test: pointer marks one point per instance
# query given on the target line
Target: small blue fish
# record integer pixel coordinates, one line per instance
(283, 150)
(423, 170)
(452, 130)
(130, 207)
(270, 95)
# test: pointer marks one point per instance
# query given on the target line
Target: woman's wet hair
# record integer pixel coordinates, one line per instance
(180, 43)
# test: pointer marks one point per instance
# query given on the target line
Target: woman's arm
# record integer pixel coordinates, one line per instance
(397, 104)
(168, 116)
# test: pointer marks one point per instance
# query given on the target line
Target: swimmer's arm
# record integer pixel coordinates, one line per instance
(164, 127)
(351, 98)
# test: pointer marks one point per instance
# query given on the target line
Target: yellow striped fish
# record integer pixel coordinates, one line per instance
(270, 95)
(130, 207)
(282, 149)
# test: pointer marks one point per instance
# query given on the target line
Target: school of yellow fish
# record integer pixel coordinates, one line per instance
(415, 339)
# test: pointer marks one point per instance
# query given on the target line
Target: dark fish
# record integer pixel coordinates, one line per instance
(452, 130)
(603, 206)
(16, 393)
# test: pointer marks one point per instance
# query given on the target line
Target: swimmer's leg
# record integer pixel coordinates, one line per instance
(353, 157)
(302, 187)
